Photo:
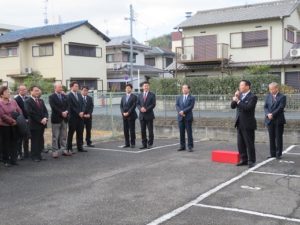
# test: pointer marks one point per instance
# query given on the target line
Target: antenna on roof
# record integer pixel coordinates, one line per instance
(188, 15)
(46, 12)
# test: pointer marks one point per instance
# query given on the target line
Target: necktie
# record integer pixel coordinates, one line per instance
(243, 96)
(184, 98)
(127, 98)
(59, 96)
(37, 103)
(23, 98)
(145, 96)
(76, 96)
(274, 98)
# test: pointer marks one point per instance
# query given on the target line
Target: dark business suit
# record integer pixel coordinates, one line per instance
(128, 106)
(276, 125)
(76, 123)
(185, 122)
(146, 118)
(88, 109)
(36, 112)
(246, 126)
(22, 141)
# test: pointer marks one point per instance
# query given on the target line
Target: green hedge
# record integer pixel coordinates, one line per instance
(212, 85)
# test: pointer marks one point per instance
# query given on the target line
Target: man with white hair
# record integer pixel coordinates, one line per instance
(59, 119)
(275, 103)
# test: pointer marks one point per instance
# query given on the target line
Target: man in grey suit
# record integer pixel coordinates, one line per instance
(275, 103)
(184, 106)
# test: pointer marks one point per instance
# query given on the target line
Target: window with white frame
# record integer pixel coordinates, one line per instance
(9, 52)
(43, 50)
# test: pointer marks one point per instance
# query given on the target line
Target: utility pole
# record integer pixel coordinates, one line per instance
(46, 12)
(131, 19)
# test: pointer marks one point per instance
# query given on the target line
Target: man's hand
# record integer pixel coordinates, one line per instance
(64, 114)
(143, 109)
(270, 116)
(81, 114)
(44, 121)
(125, 114)
(87, 116)
(235, 99)
(181, 113)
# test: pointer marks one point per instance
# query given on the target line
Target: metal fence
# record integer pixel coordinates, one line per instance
(108, 104)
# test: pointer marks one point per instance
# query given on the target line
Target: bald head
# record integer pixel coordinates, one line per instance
(22, 90)
(58, 88)
(273, 88)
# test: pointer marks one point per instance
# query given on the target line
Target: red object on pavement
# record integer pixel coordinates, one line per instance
(225, 156)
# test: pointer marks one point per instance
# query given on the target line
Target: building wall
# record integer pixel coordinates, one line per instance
(48, 66)
(9, 66)
(293, 20)
(84, 67)
(272, 51)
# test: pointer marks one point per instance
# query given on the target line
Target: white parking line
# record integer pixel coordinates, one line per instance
(249, 212)
(141, 151)
(276, 174)
(210, 192)
(293, 153)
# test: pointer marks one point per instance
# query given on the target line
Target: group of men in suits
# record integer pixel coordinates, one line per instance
(145, 102)
(70, 113)
(244, 101)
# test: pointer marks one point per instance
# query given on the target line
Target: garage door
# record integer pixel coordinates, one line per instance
(293, 79)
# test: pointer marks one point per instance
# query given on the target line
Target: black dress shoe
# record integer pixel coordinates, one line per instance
(82, 150)
(143, 147)
(269, 157)
(278, 157)
(132, 146)
(125, 146)
(181, 149)
(242, 163)
(150, 146)
(250, 165)
(14, 163)
(42, 158)
(91, 146)
(190, 149)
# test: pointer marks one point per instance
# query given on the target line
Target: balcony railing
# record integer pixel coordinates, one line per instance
(197, 54)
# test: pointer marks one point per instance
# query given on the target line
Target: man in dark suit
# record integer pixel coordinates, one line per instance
(87, 117)
(38, 118)
(127, 107)
(76, 113)
(59, 120)
(146, 103)
(245, 102)
(22, 141)
(275, 103)
(184, 107)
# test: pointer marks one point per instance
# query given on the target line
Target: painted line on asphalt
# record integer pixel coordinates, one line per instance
(205, 195)
(293, 153)
(141, 151)
(276, 174)
(250, 212)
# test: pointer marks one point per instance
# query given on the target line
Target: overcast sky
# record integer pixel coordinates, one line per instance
(153, 17)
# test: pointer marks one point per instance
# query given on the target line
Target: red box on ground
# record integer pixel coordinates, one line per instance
(225, 156)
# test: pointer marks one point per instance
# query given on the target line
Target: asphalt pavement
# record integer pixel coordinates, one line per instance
(110, 185)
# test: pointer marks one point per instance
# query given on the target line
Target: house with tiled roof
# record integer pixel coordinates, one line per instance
(62, 52)
(4, 28)
(118, 64)
(228, 40)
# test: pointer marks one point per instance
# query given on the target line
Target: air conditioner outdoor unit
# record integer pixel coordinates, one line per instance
(295, 52)
(28, 70)
(185, 57)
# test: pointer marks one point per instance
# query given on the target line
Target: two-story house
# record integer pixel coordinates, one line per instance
(62, 52)
(160, 58)
(118, 64)
(228, 40)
